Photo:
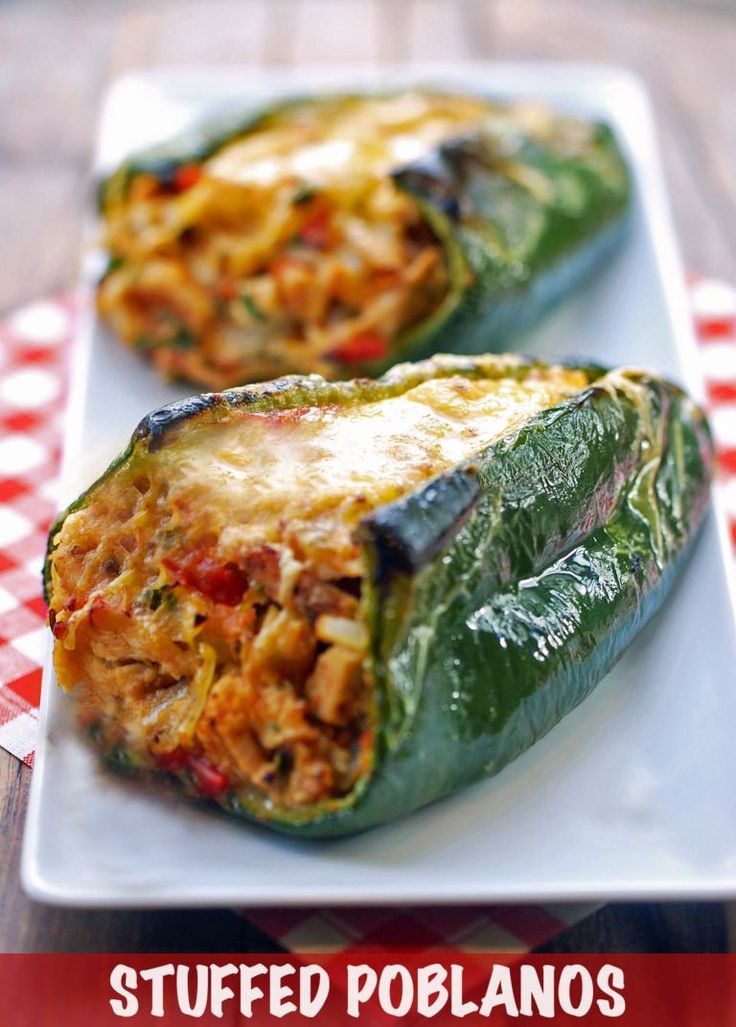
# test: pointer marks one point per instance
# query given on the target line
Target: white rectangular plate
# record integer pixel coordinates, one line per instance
(632, 795)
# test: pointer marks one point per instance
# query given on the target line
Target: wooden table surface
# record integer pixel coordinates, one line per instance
(57, 58)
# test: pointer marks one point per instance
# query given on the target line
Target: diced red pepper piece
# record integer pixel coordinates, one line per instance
(222, 583)
(361, 348)
(208, 780)
(186, 176)
(316, 230)
(285, 263)
(385, 277)
(227, 289)
(174, 761)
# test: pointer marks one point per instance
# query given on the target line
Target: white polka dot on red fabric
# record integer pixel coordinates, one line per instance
(44, 324)
(32, 644)
(19, 453)
(49, 490)
(723, 421)
(29, 389)
(13, 526)
(727, 493)
(35, 567)
(719, 361)
(711, 299)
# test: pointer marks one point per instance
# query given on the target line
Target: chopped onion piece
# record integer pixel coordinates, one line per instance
(340, 631)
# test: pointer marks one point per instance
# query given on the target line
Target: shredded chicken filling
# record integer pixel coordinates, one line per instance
(247, 674)
(206, 601)
(291, 249)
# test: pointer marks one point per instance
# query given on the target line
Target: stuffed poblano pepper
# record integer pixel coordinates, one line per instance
(338, 235)
(324, 605)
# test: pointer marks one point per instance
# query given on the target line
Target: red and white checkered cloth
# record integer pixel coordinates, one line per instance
(467, 928)
(34, 348)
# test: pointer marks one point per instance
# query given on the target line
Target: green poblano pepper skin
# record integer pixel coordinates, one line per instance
(512, 254)
(512, 250)
(501, 592)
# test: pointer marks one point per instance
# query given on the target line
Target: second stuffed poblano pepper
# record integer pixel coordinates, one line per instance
(324, 605)
(340, 234)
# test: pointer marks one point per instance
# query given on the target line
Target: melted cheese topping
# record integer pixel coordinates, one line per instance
(343, 142)
(206, 601)
(319, 470)
(290, 249)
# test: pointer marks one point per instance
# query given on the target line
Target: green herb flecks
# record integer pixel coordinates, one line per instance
(163, 598)
(253, 309)
(304, 194)
(183, 339)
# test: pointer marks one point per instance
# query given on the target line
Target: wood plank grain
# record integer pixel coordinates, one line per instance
(279, 32)
(437, 30)
(332, 31)
(57, 59)
(40, 211)
(14, 780)
(685, 58)
(211, 33)
(394, 31)
(45, 97)
(131, 42)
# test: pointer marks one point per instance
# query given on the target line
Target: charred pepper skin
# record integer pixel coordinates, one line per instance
(510, 254)
(498, 594)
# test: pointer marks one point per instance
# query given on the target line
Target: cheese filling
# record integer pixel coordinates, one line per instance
(206, 601)
(290, 249)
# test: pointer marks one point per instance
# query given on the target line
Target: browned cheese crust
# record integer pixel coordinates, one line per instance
(206, 600)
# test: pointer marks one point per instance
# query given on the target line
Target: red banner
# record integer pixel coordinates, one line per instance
(440, 987)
